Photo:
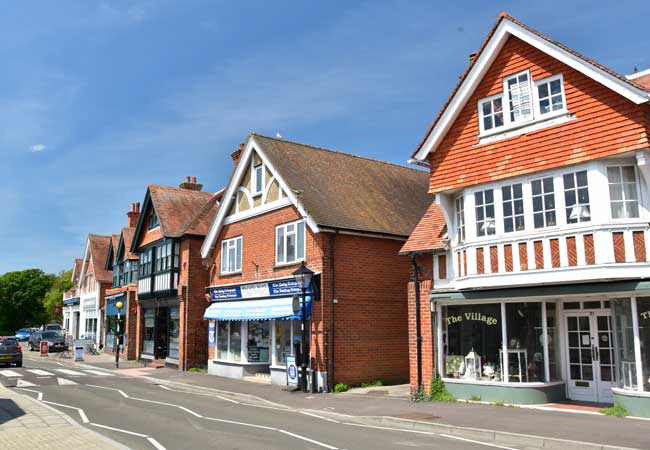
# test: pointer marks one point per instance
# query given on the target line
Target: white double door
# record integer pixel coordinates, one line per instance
(590, 355)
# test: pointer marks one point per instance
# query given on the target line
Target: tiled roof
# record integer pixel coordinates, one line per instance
(429, 233)
(200, 224)
(505, 16)
(643, 81)
(177, 209)
(99, 250)
(78, 262)
(344, 191)
(127, 236)
(115, 242)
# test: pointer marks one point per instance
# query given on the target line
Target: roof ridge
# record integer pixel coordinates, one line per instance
(206, 207)
(180, 189)
(340, 152)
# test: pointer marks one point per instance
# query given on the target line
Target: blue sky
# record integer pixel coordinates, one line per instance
(101, 98)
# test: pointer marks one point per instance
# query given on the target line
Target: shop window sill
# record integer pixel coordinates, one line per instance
(513, 384)
(630, 393)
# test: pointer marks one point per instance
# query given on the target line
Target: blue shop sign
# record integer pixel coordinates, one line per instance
(111, 300)
(257, 290)
(71, 301)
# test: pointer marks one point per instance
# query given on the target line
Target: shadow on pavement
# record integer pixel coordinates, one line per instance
(9, 410)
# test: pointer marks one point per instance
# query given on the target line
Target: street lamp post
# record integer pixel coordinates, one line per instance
(303, 277)
(119, 306)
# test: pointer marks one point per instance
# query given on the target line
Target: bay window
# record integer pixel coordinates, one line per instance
(520, 102)
(231, 255)
(623, 198)
(484, 204)
(513, 208)
(543, 202)
(550, 95)
(576, 197)
(164, 257)
(290, 243)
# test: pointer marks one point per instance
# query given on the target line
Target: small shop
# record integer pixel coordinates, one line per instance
(111, 320)
(541, 349)
(255, 327)
(71, 316)
(160, 330)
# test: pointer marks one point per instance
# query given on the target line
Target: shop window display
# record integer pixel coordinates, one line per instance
(147, 331)
(472, 335)
(282, 342)
(229, 341)
(525, 342)
(111, 332)
(174, 332)
(624, 343)
(258, 344)
(554, 354)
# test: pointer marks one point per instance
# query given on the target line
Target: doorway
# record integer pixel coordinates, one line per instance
(590, 356)
(162, 334)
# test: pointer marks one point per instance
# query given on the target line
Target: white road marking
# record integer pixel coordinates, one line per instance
(227, 399)
(122, 393)
(190, 411)
(64, 382)
(318, 417)
(322, 444)
(81, 412)
(69, 372)
(98, 372)
(23, 383)
(10, 373)
(241, 423)
(155, 443)
(39, 372)
(476, 442)
(119, 430)
(153, 401)
(40, 394)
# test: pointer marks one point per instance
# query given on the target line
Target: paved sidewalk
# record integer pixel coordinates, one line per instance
(27, 423)
(590, 428)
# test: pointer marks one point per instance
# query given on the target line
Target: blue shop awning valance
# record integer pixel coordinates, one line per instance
(111, 310)
(71, 301)
(266, 309)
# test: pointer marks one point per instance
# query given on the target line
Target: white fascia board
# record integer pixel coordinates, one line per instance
(227, 198)
(493, 47)
(639, 74)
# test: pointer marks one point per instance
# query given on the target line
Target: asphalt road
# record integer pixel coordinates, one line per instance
(144, 415)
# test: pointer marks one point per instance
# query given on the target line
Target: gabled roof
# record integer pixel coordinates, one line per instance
(180, 211)
(76, 269)
(335, 190)
(430, 233)
(116, 251)
(98, 247)
(507, 26)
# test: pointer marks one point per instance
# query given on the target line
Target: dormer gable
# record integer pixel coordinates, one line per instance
(527, 102)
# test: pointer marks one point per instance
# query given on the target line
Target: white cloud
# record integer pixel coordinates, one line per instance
(38, 148)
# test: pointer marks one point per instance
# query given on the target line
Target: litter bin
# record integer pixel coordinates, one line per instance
(79, 350)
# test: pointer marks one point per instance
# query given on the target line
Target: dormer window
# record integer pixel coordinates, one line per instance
(550, 95)
(153, 220)
(491, 110)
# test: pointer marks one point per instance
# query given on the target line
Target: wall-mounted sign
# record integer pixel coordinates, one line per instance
(211, 337)
(256, 290)
(471, 316)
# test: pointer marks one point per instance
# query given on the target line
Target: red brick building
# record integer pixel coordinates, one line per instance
(534, 281)
(346, 217)
(124, 266)
(171, 277)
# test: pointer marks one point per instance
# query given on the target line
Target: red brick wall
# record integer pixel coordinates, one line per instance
(425, 262)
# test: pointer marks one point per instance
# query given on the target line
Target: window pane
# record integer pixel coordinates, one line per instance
(487, 122)
(472, 327)
(282, 346)
(291, 247)
(525, 342)
(487, 108)
(301, 240)
(222, 340)
(234, 351)
(614, 174)
(498, 119)
(279, 242)
(555, 87)
(568, 181)
(506, 192)
(616, 192)
(258, 344)
(489, 196)
(478, 198)
(628, 174)
(542, 89)
(239, 255)
(537, 187)
(629, 189)
(624, 343)
(643, 311)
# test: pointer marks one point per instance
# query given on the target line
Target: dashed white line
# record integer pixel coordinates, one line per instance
(98, 372)
(244, 424)
(10, 373)
(81, 412)
(69, 372)
(119, 430)
(476, 442)
(155, 443)
(297, 436)
(122, 393)
(319, 417)
(195, 414)
(40, 372)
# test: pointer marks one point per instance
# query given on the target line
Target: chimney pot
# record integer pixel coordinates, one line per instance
(187, 179)
(193, 180)
(137, 206)
(237, 153)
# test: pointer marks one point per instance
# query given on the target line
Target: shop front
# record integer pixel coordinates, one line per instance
(541, 349)
(111, 321)
(160, 330)
(255, 327)
(71, 317)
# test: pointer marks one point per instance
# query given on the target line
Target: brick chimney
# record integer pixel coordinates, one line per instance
(236, 154)
(190, 185)
(133, 215)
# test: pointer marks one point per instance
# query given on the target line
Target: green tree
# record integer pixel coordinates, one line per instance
(21, 299)
(54, 296)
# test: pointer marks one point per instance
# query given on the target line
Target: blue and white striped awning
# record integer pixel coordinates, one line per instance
(71, 301)
(266, 309)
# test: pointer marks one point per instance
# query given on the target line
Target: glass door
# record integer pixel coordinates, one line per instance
(590, 356)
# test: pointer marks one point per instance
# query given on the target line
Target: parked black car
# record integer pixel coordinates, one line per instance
(55, 339)
(10, 351)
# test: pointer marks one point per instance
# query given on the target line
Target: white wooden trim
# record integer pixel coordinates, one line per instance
(639, 74)
(506, 29)
(504, 344)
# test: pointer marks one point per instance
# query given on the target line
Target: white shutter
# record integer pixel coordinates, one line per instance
(520, 98)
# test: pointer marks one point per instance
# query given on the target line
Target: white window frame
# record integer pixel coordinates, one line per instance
(512, 200)
(226, 246)
(575, 189)
(506, 95)
(483, 206)
(255, 177)
(284, 227)
(459, 211)
(542, 195)
(491, 100)
(624, 200)
(242, 340)
(537, 100)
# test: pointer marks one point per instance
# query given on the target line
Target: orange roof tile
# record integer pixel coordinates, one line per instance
(99, 250)
(429, 233)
